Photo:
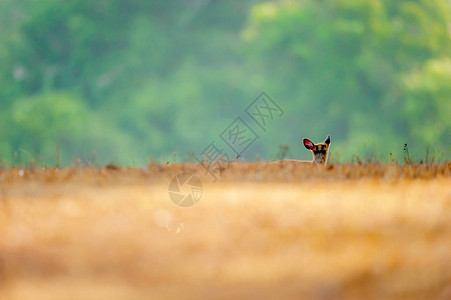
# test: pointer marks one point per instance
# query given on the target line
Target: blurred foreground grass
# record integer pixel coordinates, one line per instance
(261, 231)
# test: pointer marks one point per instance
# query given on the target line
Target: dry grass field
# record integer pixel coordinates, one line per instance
(261, 231)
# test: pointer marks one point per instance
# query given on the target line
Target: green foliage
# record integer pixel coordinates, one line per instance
(427, 98)
(36, 126)
(126, 81)
(345, 63)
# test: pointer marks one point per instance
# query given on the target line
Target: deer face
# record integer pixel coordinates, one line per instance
(320, 151)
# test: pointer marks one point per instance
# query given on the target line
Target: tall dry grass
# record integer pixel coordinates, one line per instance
(260, 231)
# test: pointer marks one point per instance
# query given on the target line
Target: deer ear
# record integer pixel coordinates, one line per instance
(308, 144)
(327, 140)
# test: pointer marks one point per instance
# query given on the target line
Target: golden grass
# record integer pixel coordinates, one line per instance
(261, 231)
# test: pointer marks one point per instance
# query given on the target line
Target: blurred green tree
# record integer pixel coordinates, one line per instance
(343, 64)
(37, 127)
(136, 79)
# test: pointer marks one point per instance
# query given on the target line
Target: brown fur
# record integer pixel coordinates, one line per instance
(320, 152)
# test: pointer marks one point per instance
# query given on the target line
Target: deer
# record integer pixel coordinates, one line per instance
(320, 152)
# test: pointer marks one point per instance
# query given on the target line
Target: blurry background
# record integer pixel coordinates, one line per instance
(126, 81)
